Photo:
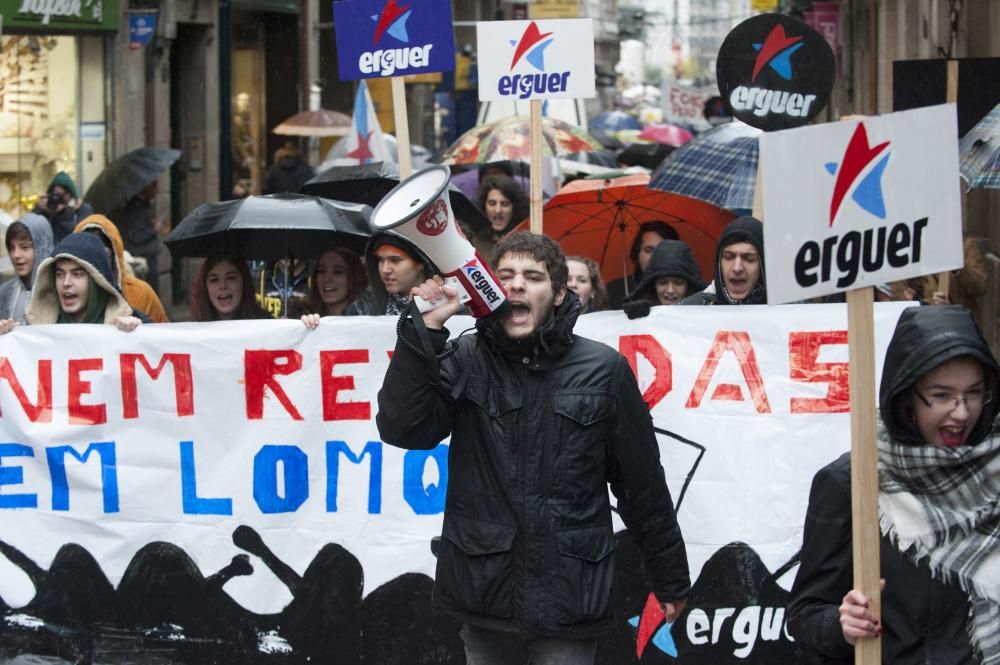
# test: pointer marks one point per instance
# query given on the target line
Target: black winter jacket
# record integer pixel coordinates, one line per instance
(924, 619)
(538, 432)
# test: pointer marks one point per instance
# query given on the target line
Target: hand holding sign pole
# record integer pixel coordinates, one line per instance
(850, 205)
(382, 38)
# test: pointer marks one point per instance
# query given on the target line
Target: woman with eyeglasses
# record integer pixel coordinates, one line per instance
(939, 483)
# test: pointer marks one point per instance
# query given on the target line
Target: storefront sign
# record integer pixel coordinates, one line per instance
(546, 9)
(841, 208)
(775, 72)
(381, 38)
(141, 28)
(536, 59)
(47, 15)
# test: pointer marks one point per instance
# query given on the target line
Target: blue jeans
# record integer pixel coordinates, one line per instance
(490, 647)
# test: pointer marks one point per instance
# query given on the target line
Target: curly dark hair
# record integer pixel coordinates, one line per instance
(357, 280)
(540, 248)
(201, 305)
(513, 191)
(660, 227)
(599, 294)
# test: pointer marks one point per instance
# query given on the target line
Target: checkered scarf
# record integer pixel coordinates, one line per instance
(942, 505)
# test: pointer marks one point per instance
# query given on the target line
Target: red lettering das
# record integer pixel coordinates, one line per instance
(738, 343)
(183, 383)
(41, 410)
(332, 409)
(631, 346)
(803, 350)
(260, 368)
(80, 413)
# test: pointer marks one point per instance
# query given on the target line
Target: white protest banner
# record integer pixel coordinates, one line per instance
(219, 493)
(552, 59)
(686, 104)
(858, 203)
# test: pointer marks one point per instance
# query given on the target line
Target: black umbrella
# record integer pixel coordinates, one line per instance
(127, 176)
(369, 183)
(278, 226)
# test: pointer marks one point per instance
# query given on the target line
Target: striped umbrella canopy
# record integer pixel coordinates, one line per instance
(510, 139)
(979, 152)
(718, 167)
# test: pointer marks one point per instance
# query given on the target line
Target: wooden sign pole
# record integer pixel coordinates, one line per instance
(951, 97)
(864, 464)
(402, 126)
(536, 166)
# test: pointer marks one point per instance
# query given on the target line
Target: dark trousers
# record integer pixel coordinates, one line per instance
(490, 647)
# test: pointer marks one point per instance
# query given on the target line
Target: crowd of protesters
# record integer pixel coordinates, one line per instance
(938, 410)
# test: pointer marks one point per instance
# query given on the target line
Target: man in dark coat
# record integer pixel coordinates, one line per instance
(137, 224)
(62, 206)
(395, 265)
(739, 267)
(289, 171)
(540, 422)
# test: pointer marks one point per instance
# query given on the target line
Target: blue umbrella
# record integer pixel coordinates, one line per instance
(613, 121)
(980, 152)
(718, 166)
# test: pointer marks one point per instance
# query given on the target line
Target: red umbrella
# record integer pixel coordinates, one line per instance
(666, 134)
(600, 218)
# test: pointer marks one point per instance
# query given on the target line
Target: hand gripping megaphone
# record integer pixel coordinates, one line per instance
(418, 209)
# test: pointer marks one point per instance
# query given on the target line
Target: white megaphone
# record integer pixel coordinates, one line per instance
(418, 209)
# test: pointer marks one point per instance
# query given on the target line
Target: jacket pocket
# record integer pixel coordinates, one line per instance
(583, 427)
(496, 401)
(474, 570)
(586, 573)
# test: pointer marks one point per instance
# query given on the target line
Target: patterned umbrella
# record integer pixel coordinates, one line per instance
(600, 218)
(980, 152)
(315, 123)
(612, 121)
(666, 134)
(510, 139)
(719, 167)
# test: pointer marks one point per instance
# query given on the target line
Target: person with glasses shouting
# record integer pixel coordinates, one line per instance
(939, 482)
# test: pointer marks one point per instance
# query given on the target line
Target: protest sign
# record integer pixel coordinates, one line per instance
(686, 104)
(219, 493)
(859, 203)
(536, 60)
(775, 72)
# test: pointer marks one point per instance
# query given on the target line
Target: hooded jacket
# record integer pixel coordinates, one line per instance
(14, 295)
(539, 427)
(924, 618)
(372, 301)
(87, 251)
(741, 229)
(671, 258)
(288, 174)
(139, 294)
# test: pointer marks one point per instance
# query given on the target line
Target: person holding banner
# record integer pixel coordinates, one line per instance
(223, 291)
(541, 420)
(939, 478)
(75, 285)
(671, 275)
(739, 267)
(29, 241)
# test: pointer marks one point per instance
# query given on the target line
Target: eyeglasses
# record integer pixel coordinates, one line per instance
(943, 403)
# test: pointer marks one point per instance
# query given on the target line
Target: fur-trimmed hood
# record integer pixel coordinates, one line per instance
(88, 251)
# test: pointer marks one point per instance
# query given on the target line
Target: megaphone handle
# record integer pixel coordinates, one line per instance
(424, 306)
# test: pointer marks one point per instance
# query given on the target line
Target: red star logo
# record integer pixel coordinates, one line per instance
(362, 153)
(775, 43)
(530, 37)
(857, 156)
(390, 13)
(651, 618)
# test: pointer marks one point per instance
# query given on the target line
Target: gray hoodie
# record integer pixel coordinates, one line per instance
(14, 294)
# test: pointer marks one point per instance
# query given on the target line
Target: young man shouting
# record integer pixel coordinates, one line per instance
(541, 421)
